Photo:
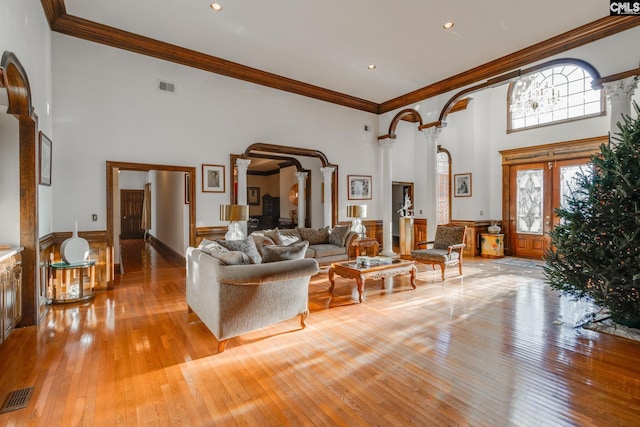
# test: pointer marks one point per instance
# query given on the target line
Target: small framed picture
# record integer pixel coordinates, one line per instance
(359, 187)
(46, 151)
(253, 195)
(462, 185)
(213, 179)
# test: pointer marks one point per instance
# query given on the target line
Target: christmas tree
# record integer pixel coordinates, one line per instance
(595, 251)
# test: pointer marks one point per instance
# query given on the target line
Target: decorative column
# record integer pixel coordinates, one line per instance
(619, 93)
(242, 165)
(327, 174)
(302, 184)
(387, 200)
(431, 165)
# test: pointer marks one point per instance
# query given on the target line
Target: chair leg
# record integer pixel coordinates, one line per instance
(222, 344)
(442, 267)
(303, 317)
(460, 268)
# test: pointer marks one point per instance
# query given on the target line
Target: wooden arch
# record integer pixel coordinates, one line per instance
(261, 147)
(512, 77)
(14, 79)
(407, 113)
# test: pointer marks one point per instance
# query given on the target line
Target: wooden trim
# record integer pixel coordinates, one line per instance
(619, 76)
(64, 23)
(552, 152)
(210, 233)
(168, 253)
(580, 36)
(110, 36)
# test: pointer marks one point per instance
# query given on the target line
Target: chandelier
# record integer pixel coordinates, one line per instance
(533, 95)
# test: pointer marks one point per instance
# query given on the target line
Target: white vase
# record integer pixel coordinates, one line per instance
(75, 249)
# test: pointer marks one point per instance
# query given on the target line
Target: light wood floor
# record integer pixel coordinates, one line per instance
(478, 350)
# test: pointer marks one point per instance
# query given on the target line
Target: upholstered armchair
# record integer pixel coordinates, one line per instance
(447, 248)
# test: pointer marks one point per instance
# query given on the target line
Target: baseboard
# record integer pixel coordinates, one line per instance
(174, 258)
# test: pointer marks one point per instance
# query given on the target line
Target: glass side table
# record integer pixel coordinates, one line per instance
(63, 290)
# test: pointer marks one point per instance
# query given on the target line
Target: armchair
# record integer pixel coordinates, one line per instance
(447, 248)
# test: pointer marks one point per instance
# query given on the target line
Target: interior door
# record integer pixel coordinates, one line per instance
(131, 214)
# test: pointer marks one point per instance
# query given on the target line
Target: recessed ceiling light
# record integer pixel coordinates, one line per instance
(216, 7)
(447, 25)
(371, 67)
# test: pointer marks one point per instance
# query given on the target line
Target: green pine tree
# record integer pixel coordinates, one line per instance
(595, 251)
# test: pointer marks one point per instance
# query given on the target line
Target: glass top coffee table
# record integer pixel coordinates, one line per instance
(353, 270)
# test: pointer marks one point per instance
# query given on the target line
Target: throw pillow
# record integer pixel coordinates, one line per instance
(207, 246)
(315, 236)
(248, 246)
(338, 235)
(275, 253)
(231, 257)
(288, 237)
(260, 241)
(274, 235)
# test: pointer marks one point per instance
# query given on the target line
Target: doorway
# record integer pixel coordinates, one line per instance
(113, 195)
(533, 190)
(399, 190)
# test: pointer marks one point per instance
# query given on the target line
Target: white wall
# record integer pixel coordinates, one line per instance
(25, 32)
(170, 210)
(108, 108)
(9, 178)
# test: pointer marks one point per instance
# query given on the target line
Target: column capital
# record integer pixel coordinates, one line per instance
(243, 164)
(432, 133)
(387, 143)
(301, 175)
(327, 171)
(621, 89)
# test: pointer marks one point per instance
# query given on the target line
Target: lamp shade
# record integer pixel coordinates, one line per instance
(356, 211)
(234, 212)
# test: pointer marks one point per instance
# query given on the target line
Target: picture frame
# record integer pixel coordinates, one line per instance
(359, 187)
(187, 188)
(213, 179)
(462, 185)
(46, 154)
(253, 195)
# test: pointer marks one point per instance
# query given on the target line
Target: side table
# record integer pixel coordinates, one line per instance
(491, 245)
(68, 292)
(363, 244)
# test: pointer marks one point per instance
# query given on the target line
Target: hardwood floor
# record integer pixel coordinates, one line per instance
(481, 349)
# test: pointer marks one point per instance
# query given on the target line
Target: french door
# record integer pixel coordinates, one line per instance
(532, 190)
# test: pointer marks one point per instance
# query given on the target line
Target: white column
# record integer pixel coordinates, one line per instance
(302, 184)
(619, 93)
(327, 173)
(431, 164)
(242, 165)
(387, 200)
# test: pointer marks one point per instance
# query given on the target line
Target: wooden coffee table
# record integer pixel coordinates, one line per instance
(349, 270)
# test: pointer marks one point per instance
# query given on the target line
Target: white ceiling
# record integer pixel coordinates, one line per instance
(330, 43)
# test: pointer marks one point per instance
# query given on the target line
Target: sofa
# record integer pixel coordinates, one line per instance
(232, 298)
(326, 245)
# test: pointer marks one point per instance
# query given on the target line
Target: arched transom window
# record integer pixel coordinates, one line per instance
(559, 93)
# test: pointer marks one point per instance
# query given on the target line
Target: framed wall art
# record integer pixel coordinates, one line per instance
(213, 179)
(359, 187)
(462, 185)
(253, 195)
(46, 151)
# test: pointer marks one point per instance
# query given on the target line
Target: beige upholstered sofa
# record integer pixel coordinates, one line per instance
(325, 245)
(235, 299)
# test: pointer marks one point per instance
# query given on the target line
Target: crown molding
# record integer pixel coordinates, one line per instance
(63, 23)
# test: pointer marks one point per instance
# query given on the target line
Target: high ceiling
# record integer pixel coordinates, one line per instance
(330, 44)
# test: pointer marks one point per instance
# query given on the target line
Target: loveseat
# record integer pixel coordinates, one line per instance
(233, 296)
(325, 245)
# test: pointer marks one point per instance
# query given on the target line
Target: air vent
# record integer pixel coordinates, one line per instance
(166, 86)
(17, 400)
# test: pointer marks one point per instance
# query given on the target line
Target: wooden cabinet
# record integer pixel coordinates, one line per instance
(10, 291)
(270, 212)
(419, 231)
(472, 238)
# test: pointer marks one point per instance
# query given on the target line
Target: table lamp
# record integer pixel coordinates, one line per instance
(234, 213)
(357, 212)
